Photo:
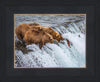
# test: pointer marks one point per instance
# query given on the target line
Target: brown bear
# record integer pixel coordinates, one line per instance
(54, 34)
(21, 30)
(41, 37)
(49, 30)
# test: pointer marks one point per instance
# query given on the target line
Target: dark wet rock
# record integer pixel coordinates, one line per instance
(21, 46)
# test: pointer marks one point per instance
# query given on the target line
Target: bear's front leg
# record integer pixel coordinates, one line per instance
(19, 36)
(23, 42)
(40, 45)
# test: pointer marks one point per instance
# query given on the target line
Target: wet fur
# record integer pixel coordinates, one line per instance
(49, 30)
(41, 37)
(21, 30)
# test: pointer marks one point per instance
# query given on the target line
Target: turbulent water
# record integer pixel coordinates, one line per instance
(71, 27)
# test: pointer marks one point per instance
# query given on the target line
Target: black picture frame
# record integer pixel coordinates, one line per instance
(9, 74)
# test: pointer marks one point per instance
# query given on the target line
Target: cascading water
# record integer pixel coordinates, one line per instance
(71, 27)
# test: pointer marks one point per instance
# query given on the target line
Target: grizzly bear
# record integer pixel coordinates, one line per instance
(49, 30)
(54, 34)
(21, 30)
(41, 37)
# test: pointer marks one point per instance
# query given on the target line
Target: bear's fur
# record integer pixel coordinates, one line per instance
(54, 34)
(41, 37)
(49, 30)
(36, 28)
(21, 30)
(33, 24)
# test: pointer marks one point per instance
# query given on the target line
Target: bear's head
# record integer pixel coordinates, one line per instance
(58, 37)
(55, 35)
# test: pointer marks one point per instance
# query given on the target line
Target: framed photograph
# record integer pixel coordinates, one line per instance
(49, 43)
(33, 49)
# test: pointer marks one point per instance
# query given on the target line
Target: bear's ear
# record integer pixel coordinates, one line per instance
(50, 28)
(57, 34)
